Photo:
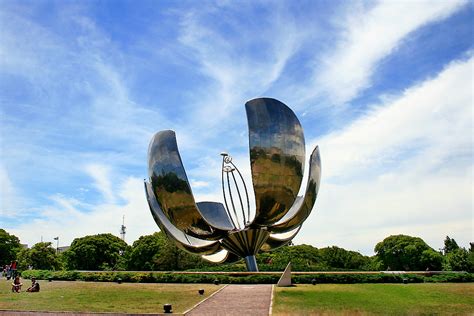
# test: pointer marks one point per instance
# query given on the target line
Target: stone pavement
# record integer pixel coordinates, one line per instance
(236, 299)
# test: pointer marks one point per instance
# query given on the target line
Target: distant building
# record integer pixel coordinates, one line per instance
(63, 248)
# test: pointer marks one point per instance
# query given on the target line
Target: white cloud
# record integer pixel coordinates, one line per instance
(199, 184)
(366, 38)
(405, 167)
(69, 218)
(229, 60)
(101, 175)
(9, 198)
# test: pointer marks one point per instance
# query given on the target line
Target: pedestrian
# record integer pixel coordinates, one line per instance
(16, 285)
(35, 287)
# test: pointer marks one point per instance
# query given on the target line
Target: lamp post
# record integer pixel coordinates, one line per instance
(57, 244)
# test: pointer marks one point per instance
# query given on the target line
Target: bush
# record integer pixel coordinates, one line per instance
(245, 278)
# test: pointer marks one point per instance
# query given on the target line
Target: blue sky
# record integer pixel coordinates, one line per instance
(384, 88)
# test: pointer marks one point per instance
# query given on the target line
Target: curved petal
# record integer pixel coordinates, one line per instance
(223, 256)
(172, 190)
(215, 214)
(296, 216)
(278, 240)
(183, 241)
(277, 154)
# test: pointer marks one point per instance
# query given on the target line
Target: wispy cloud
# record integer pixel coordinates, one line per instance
(241, 62)
(405, 162)
(367, 35)
(102, 180)
(70, 218)
(9, 197)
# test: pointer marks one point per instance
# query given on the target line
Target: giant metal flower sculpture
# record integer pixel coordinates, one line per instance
(225, 233)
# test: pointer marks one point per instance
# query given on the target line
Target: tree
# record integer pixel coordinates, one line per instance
(401, 252)
(460, 260)
(145, 252)
(9, 247)
(41, 256)
(170, 257)
(450, 245)
(302, 258)
(96, 252)
(339, 258)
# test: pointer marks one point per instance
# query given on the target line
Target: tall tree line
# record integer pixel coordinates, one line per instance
(156, 253)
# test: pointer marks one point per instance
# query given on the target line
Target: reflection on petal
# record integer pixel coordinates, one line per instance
(172, 190)
(277, 154)
(222, 256)
(215, 214)
(218, 257)
(297, 218)
(183, 241)
(278, 240)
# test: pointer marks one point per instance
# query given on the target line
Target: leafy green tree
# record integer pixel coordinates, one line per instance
(145, 252)
(339, 258)
(459, 260)
(42, 256)
(170, 257)
(23, 259)
(9, 247)
(374, 264)
(450, 245)
(96, 252)
(302, 258)
(401, 252)
(431, 259)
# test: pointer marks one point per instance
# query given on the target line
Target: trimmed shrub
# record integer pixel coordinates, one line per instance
(169, 277)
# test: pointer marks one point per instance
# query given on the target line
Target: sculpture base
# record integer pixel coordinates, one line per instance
(251, 264)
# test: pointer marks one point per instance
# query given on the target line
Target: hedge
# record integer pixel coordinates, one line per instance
(244, 278)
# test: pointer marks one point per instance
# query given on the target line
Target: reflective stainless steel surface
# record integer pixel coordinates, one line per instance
(172, 190)
(223, 256)
(237, 204)
(251, 263)
(214, 213)
(302, 210)
(245, 242)
(277, 154)
(278, 240)
(188, 243)
(226, 233)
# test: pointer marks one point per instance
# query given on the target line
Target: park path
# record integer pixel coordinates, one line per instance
(236, 299)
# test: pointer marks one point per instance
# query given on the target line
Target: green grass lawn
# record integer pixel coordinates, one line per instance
(386, 299)
(103, 296)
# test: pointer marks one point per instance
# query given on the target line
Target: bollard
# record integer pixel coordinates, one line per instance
(168, 308)
(201, 291)
(119, 280)
(313, 281)
(50, 279)
(216, 282)
(405, 281)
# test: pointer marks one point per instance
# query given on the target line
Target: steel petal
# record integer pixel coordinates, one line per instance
(297, 216)
(275, 241)
(277, 154)
(172, 190)
(215, 214)
(183, 241)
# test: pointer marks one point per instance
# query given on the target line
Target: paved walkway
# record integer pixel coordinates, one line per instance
(236, 300)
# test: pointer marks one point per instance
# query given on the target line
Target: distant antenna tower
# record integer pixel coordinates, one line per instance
(123, 229)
